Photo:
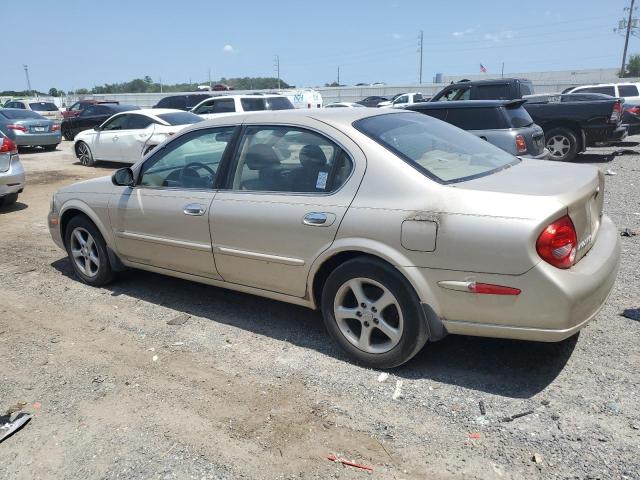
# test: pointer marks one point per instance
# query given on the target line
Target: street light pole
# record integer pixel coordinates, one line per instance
(626, 39)
(26, 72)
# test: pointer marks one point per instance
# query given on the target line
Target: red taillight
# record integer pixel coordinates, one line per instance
(8, 146)
(490, 289)
(616, 112)
(633, 110)
(55, 127)
(558, 242)
(521, 145)
(22, 128)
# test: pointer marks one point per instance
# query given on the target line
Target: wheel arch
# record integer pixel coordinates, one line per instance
(567, 125)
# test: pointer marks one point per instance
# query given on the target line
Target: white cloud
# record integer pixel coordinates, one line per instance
(498, 37)
(228, 49)
(462, 33)
(396, 36)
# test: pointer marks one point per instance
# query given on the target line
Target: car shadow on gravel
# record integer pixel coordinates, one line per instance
(502, 367)
(16, 207)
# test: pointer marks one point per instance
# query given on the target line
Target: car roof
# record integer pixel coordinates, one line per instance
(488, 81)
(466, 104)
(247, 95)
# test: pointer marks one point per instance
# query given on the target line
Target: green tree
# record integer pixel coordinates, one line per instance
(633, 66)
(53, 92)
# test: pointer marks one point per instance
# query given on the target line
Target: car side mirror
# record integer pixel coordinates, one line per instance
(123, 177)
(97, 128)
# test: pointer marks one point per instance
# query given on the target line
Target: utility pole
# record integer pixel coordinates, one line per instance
(209, 79)
(626, 39)
(338, 75)
(160, 84)
(421, 38)
(502, 71)
(277, 67)
(26, 72)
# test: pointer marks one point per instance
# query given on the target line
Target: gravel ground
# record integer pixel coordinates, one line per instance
(252, 388)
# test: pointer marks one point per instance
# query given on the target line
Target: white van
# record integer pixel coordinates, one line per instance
(628, 91)
(303, 98)
(214, 107)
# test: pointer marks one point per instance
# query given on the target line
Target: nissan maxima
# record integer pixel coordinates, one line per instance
(398, 227)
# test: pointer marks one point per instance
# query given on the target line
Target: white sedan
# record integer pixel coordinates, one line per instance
(127, 136)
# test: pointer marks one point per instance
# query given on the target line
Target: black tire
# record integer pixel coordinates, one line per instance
(67, 134)
(50, 148)
(84, 154)
(8, 200)
(562, 144)
(103, 271)
(414, 333)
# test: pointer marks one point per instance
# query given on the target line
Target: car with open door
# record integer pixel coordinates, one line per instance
(398, 227)
(92, 116)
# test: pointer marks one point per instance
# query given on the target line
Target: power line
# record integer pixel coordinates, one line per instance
(626, 39)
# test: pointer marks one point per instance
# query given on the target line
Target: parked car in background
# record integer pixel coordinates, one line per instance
(372, 101)
(628, 91)
(404, 99)
(503, 123)
(92, 116)
(30, 129)
(571, 123)
(518, 249)
(12, 179)
(631, 117)
(47, 109)
(75, 109)
(303, 98)
(182, 102)
(126, 137)
(226, 104)
(343, 105)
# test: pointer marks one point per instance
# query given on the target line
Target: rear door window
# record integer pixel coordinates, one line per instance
(628, 90)
(518, 117)
(137, 122)
(491, 92)
(605, 90)
(460, 93)
(476, 118)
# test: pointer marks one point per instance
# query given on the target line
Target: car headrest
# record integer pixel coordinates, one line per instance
(261, 156)
(312, 156)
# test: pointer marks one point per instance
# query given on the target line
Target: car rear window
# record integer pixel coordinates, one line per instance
(628, 90)
(268, 103)
(43, 107)
(437, 149)
(19, 114)
(180, 118)
(491, 92)
(476, 118)
(518, 117)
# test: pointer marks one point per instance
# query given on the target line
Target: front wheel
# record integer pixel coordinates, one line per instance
(373, 313)
(87, 252)
(84, 155)
(562, 144)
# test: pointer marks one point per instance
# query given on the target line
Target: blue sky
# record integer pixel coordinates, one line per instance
(83, 43)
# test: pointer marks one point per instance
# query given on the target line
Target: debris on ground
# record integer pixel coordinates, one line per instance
(609, 172)
(517, 415)
(627, 232)
(631, 314)
(398, 391)
(481, 420)
(383, 376)
(483, 411)
(180, 319)
(9, 426)
(474, 435)
(536, 458)
(155, 358)
(15, 408)
(333, 458)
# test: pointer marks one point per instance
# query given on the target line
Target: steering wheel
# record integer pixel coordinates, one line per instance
(191, 168)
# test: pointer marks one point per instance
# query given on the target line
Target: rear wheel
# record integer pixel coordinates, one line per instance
(50, 148)
(8, 199)
(372, 312)
(87, 252)
(66, 133)
(84, 155)
(562, 144)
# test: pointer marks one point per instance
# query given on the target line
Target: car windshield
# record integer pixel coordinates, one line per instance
(43, 107)
(268, 103)
(180, 118)
(519, 117)
(20, 114)
(439, 150)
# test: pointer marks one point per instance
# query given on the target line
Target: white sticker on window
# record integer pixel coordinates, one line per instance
(322, 180)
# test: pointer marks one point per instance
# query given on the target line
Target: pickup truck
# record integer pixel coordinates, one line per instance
(571, 122)
(401, 101)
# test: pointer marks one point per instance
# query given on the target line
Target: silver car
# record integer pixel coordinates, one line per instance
(503, 123)
(29, 129)
(400, 228)
(11, 172)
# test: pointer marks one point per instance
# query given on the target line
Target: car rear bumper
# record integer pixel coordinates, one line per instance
(542, 156)
(632, 128)
(553, 304)
(619, 133)
(13, 180)
(38, 139)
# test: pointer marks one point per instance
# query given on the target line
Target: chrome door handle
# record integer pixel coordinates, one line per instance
(194, 209)
(114, 139)
(315, 218)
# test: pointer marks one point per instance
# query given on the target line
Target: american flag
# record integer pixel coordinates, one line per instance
(483, 69)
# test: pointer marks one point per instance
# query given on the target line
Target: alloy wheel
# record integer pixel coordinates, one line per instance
(84, 154)
(85, 252)
(368, 315)
(558, 146)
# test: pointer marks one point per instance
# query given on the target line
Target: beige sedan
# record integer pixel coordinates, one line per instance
(400, 228)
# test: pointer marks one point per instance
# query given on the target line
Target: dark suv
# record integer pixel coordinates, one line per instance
(182, 102)
(503, 123)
